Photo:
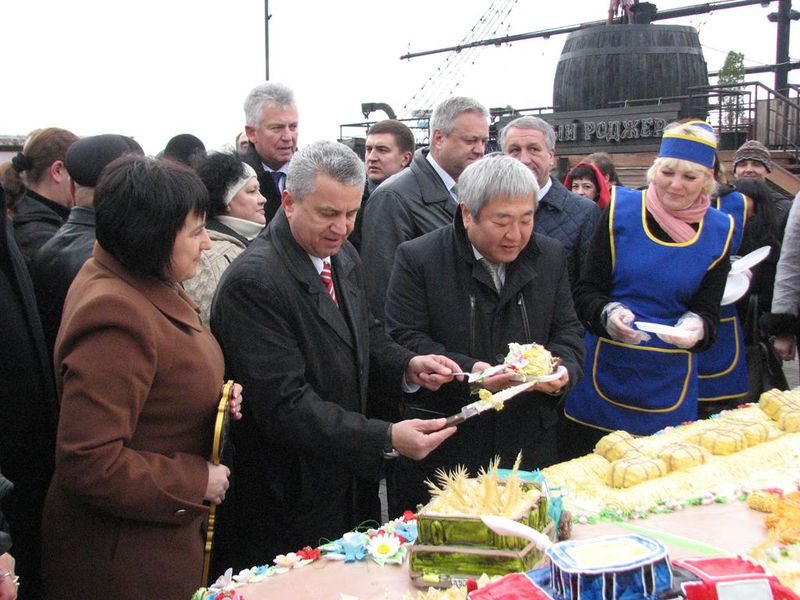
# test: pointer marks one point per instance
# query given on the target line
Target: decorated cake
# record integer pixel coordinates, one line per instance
(705, 461)
(454, 545)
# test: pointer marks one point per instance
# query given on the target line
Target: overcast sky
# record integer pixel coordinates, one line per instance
(155, 68)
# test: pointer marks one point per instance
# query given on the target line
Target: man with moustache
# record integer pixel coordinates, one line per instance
(292, 318)
(271, 126)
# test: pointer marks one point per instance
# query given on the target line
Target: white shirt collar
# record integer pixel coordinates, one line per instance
(545, 188)
(284, 168)
(448, 181)
(319, 262)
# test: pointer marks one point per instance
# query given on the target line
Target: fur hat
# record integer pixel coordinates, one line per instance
(753, 150)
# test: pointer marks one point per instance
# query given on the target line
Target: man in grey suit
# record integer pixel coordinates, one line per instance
(421, 198)
(562, 215)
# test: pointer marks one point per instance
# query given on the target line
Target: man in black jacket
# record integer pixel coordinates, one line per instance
(567, 217)
(57, 263)
(292, 318)
(467, 291)
(389, 149)
(271, 126)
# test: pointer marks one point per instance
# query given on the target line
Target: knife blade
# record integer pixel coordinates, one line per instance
(479, 406)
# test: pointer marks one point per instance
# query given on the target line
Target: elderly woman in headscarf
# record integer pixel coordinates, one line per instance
(235, 218)
(659, 257)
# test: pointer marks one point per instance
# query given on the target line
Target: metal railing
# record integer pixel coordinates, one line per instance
(754, 111)
(742, 111)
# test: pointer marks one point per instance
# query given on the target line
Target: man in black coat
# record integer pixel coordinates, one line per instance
(467, 291)
(388, 150)
(292, 318)
(561, 214)
(28, 411)
(271, 126)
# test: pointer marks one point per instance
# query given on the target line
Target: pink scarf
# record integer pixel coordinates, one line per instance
(676, 222)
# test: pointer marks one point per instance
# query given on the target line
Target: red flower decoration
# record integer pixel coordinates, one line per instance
(308, 553)
(409, 516)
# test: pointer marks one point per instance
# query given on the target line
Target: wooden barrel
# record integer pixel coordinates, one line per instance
(609, 63)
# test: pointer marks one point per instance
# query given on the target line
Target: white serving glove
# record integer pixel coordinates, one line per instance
(618, 318)
(690, 323)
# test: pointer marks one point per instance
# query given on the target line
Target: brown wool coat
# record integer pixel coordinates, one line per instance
(139, 380)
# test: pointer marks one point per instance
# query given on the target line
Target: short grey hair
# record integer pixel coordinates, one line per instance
(331, 159)
(531, 122)
(266, 93)
(446, 112)
(495, 176)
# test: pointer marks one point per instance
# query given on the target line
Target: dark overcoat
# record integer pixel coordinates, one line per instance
(140, 381)
(442, 300)
(304, 363)
(28, 410)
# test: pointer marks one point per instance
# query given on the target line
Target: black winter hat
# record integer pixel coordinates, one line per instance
(86, 158)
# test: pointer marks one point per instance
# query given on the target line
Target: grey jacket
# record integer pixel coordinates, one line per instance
(786, 298)
(409, 204)
(571, 219)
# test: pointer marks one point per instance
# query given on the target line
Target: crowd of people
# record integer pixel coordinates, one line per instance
(348, 297)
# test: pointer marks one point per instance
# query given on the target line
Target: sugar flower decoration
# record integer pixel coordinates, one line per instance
(383, 546)
(287, 561)
(407, 530)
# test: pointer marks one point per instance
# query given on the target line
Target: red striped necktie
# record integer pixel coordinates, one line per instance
(327, 279)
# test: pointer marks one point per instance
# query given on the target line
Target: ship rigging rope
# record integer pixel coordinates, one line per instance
(448, 75)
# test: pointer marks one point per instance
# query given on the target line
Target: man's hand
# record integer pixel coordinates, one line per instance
(416, 438)
(552, 387)
(431, 371)
(8, 589)
(498, 382)
(785, 347)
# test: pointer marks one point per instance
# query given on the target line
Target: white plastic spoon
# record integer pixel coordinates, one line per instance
(506, 526)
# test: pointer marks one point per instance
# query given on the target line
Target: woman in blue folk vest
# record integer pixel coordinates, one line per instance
(659, 256)
(722, 369)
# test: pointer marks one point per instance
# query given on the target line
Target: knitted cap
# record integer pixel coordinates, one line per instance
(753, 150)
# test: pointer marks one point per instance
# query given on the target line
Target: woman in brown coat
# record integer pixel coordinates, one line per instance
(139, 380)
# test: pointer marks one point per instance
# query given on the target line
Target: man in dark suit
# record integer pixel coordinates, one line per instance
(292, 318)
(562, 215)
(388, 149)
(271, 126)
